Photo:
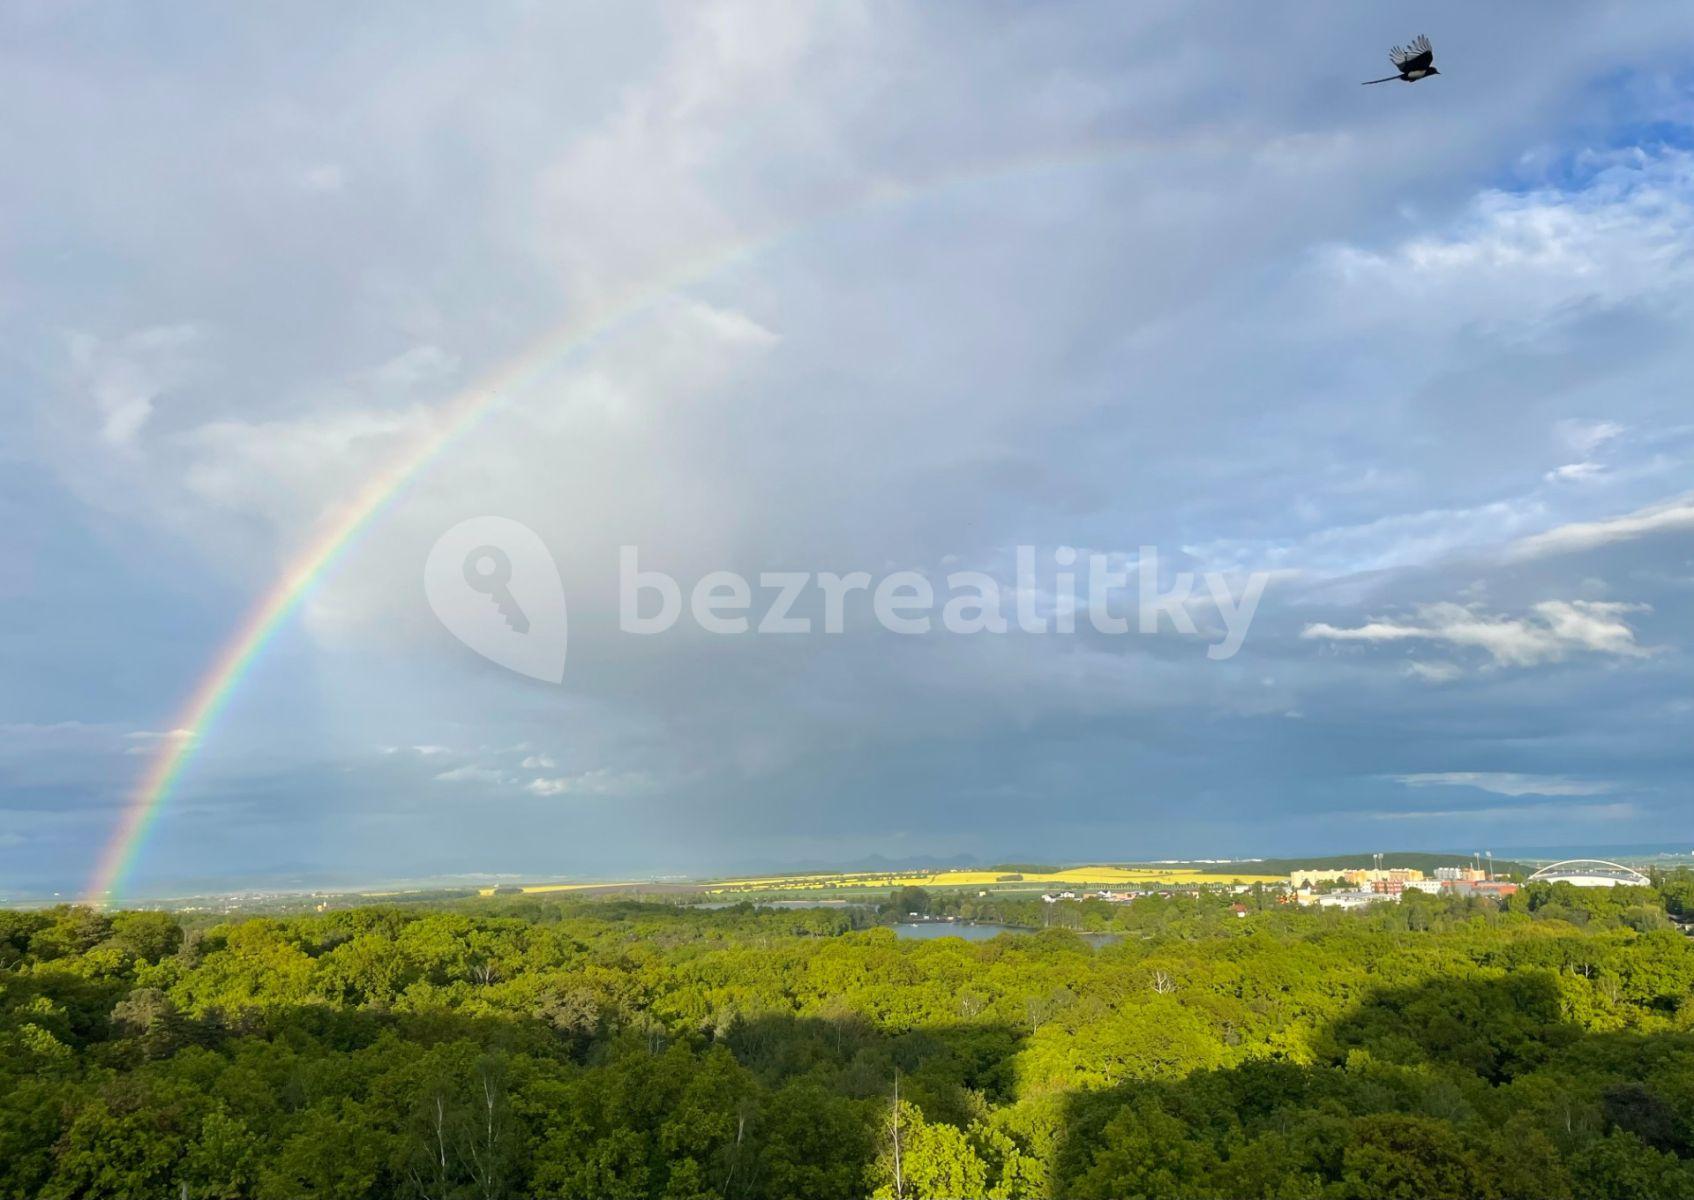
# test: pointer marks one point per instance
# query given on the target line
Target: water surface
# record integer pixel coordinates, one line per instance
(924, 931)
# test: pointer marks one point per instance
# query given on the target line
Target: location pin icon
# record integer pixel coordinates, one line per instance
(492, 583)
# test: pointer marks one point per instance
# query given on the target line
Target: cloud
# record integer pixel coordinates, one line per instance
(1435, 672)
(1505, 783)
(1577, 472)
(87, 737)
(1518, 813)
(599, 782)
(1585, 437)
(148, 740)
(122, 377)
(1669, 516)
(471, 773)
(1386, 542)
(1557, 629)
(286, 471)
(1527, 260)
(411, 369)
(28, 731)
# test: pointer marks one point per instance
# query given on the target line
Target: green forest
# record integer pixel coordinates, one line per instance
(518, 1047)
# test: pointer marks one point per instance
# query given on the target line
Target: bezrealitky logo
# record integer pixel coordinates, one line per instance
(493, 584)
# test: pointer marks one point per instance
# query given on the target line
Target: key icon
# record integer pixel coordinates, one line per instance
(495, 558)
(489, 570)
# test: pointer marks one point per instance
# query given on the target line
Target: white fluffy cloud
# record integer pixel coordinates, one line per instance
(1669, 516)
(1524, 259)
(1554, 631)
(599, 782)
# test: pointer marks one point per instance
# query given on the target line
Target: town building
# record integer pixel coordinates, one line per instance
(1362, 876)
(1456, 874)
(1358, 877)
(1350, 900)
(1499, 889)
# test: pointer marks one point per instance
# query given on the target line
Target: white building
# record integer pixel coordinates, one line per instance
(1354, 899)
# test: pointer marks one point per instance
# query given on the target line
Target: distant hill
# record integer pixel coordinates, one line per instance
(874, 864)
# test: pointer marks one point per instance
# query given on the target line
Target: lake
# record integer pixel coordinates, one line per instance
(924, 931)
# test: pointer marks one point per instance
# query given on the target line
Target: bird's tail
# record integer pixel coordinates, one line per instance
(1384, 79)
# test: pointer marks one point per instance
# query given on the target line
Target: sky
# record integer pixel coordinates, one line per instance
(901, 288)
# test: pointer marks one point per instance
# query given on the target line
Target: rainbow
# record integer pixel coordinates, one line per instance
(459, 415)
(232, 664)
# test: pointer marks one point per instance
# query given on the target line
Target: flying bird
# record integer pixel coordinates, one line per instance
(1414, 62)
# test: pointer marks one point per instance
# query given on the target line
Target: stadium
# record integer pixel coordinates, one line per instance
(1590, 872)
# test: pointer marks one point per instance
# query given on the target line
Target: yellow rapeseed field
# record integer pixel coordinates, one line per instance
(530, 888)
(1103, 876)
(1095, 876)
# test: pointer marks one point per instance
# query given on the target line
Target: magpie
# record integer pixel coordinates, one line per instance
(1414, 62)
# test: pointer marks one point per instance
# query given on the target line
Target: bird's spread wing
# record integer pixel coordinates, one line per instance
(1418, 56)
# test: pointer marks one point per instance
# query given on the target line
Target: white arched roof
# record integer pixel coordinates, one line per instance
(1590, 872)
